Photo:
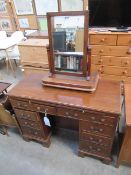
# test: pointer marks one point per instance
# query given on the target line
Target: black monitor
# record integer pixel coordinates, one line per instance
(59, 41)
(110, 13)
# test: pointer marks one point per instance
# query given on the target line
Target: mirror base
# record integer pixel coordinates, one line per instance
(74, 83)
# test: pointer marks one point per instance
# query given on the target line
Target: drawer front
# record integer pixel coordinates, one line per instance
(98, 140)
(111, 60)
(100, 118)
(44, 109)
(94, 149)
(29, 123)
(103, 39)
(124, 40)
(113, 77)
(69, 113)
(21, 104)
(32, 132)
(113, 70)
(27, 115)
(111, 50)
(97, 128)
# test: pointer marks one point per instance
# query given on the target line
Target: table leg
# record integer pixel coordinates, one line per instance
(8, 60)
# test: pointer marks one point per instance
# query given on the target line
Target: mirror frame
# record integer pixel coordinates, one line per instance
(85, 66)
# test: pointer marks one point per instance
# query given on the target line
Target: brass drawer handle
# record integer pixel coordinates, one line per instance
(76, 115)
(38, 108)
(35, 133)
(93, 118)
(103, 120)
(91, 138)
(100, 140)
(67, 113)
(25, 123)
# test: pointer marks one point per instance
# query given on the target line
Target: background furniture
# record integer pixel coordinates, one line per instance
(125, 152)
(38, 35)
(34, 55)
(111, 54)
(97, 120)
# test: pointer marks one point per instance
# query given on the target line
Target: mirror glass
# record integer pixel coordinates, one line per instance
(68, 42)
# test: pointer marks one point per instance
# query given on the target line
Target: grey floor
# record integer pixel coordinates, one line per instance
(18, 157)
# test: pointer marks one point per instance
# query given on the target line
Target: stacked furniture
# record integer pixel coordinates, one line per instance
(34, 55)
(111, 54)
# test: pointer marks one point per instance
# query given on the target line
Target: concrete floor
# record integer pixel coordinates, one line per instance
(18, 157)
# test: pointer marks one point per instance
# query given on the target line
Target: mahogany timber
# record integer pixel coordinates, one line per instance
(97, 113)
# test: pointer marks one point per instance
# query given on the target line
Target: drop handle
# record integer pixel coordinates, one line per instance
(38, 108)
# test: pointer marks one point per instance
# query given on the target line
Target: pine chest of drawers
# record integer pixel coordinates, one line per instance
(111, 55)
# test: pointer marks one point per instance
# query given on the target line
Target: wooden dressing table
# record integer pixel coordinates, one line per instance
(97, 113)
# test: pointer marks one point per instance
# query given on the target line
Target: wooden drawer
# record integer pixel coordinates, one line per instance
(44, 108)
(32, 132)
(102, 39)
(94, 149)
(111, 60)
(111, 50)
(21, 104)
(124, 40)
(113, 70)
(98, 140)
(29, 123)
(97, 128)
(113, 77)
(69, 113)
(27, 115)
(99, 118)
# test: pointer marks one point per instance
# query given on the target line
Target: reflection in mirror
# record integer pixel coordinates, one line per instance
(68, 42)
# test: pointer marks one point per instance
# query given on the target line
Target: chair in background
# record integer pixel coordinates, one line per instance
(3, 35)
(13, 53)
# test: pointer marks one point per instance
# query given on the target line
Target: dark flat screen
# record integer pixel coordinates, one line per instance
(110, 13)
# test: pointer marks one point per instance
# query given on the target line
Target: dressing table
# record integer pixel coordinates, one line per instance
(97, 113)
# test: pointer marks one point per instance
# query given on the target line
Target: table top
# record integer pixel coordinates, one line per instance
(128, 103)
(34, 42)
(106, 98)
(3, 86)
(39, 34)
(6, 43)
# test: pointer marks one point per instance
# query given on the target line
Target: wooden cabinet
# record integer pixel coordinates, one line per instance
(111, 55)
(97, 120)
(34, 54)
